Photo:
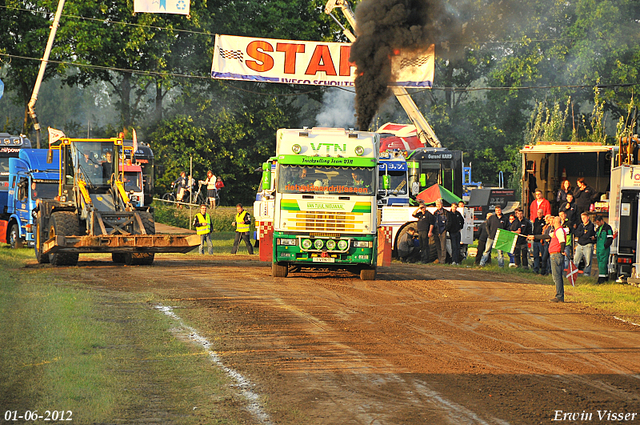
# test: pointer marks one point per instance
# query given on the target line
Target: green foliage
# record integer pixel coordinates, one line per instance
(596, 131)
(547, 125)
(221, 217)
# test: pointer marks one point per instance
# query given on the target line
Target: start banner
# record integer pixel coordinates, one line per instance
(307, 62)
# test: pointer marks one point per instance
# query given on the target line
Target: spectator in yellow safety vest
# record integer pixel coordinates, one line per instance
(204, 227)
(242, 224)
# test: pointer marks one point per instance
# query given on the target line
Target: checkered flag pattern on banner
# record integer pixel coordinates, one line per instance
(505, 240)
(405, 63)
(231, 54)
(572, 273)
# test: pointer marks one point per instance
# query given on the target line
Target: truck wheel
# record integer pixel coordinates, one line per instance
(139, 258)
(119, 257)
(368, 274)
(142, 258)
(64, 223)
(278, 270)
(148, 222)
(39, 242)
(14, 237)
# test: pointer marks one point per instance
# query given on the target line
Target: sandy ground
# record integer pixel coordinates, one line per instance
(419, 345)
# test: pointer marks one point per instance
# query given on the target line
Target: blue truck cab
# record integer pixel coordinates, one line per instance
(393, 189)
(30, 178)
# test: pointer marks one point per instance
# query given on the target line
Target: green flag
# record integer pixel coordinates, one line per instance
(505, 240)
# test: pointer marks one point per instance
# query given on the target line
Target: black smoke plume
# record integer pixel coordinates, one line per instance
(384, 27)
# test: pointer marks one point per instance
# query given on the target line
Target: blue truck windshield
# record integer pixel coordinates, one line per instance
(397, 182)
(44, 190)
(326, 180)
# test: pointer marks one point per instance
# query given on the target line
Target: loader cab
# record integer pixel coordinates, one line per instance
(91, 162)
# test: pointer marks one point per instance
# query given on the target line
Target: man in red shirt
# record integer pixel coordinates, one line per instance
(539, 203)
(556, 252)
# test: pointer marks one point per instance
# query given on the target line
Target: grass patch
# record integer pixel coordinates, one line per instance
(620, 300)
(222, 217)
(106, 356)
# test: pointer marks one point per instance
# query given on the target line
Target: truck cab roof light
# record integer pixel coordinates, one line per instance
(303, 134)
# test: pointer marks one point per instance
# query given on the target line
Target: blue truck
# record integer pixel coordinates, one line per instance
(30, 178)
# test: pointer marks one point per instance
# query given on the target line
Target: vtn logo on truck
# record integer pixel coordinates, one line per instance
(336, 147)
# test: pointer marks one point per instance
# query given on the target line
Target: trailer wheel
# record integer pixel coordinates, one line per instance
(39, 242)
(119, 257)
(139, 259)
(14, 237)
(64, 223)
(278, 270)
(142, 258)
(368, 273)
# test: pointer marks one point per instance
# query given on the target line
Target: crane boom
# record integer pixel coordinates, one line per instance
(425, 131)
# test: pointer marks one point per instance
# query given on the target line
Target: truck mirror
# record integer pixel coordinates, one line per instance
(385, 182)
(266, 176)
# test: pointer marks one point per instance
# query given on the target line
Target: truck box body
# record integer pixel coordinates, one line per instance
(623, 218)
(546, 164)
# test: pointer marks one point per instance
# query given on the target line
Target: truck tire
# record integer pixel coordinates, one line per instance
(433, 251)
(367, 273)
(278, 270)
(15, 241)
(119, 257)
(64, 223)
(39, 240)
(142, 258)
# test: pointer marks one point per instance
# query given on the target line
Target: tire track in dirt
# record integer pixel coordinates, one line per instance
(422, 344)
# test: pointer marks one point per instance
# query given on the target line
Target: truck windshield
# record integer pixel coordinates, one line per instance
(44, 190)
(132, 181)
(397, 182)
(326, 180)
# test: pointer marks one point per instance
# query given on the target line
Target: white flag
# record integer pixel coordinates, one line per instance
(54, 135)
(180, 7)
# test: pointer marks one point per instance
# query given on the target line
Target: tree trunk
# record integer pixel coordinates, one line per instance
(159, 96)
(125, 92)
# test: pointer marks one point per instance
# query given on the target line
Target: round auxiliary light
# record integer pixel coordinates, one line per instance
(318, 243)
(342, 245)
(306, 243)
(359, 150)
(331, 244)
(296, 148)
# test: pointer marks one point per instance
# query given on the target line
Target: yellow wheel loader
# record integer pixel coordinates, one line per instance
(93, 213)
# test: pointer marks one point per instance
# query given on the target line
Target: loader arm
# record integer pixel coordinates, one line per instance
(425, 132)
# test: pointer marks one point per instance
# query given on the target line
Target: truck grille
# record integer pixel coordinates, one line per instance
(325, 221)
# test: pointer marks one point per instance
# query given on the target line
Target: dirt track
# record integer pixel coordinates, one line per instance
(420, 345)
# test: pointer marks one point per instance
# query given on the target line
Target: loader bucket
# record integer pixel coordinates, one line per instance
(122, 244)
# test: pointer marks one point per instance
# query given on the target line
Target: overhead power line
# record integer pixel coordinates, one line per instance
(109, 21)
(207, 77)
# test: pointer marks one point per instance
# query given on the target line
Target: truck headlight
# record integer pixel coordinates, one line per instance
(362, 244)
(343, 245)
(318, 243)
(331, 244)
(306, 243)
